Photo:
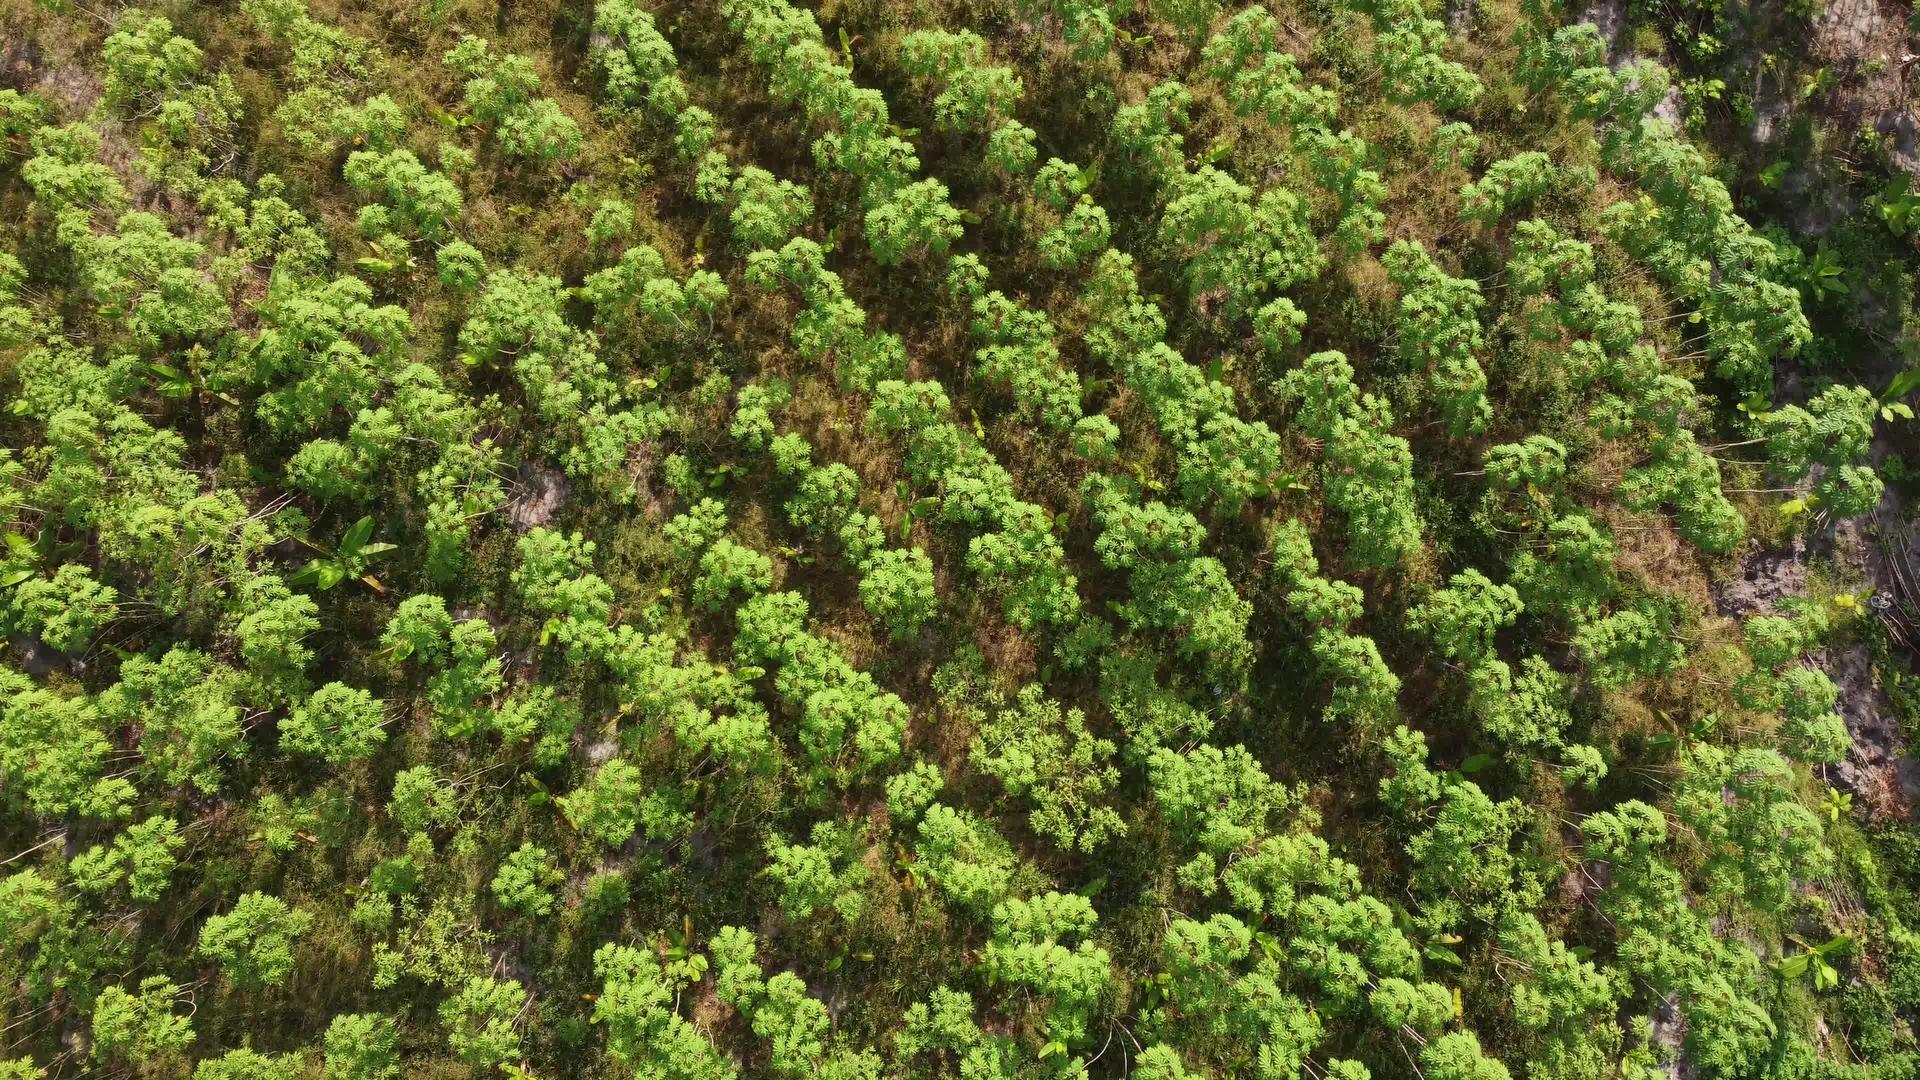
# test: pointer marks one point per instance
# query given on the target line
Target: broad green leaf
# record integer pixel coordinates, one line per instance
(357, 535)
(1902, 384)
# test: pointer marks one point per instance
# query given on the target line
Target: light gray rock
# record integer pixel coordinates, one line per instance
(540, 492)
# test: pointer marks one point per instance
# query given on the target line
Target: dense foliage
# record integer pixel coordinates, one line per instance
(1045, 539)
